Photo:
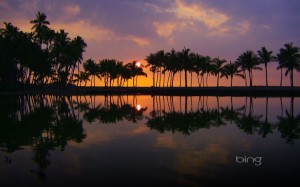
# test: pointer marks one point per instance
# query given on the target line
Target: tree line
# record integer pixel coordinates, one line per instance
(171, 63)
(48, 57)
(45, 56)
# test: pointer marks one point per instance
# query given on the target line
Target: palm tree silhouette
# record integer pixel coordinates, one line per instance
(249, 61)
(172, 65)
(231, 70)
(40, 26)
(290, 59)
(135, 72)
(280, 59)
(218, 68)
(161, 60)
(266, 57)
(185, 58)
(9, 42)
(81, 77)
(152, 61)
(289, 125)
(92, 69)
(266, 127)
(78, 46)
(125, 74)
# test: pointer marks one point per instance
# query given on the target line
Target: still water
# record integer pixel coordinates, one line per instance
(148, 140)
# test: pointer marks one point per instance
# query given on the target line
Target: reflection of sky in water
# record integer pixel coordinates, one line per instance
(131, 153)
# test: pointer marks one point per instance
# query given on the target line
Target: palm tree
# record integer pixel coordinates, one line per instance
(207, 68)
(40, 26)
(280, 62)
(218, 67)
(185, 58)
(161, 60)
(199, 67)
(151, 60)
(289, 126)
(249, 61)
(135, 72)
(92, 69)
(81, 77)
(77, 47)
(8, 64)
(231, 70)
(290, 59)
(266, 57)
(118, 72)
(172, 65)
(125, 74)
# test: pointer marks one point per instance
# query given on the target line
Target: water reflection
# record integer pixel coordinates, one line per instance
(110, 111)
(28, 119)
(189, 121)
(44, 124)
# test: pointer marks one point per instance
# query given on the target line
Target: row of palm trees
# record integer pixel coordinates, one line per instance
(109, 70)
(45, 56)
(168, 64)
(48, 57)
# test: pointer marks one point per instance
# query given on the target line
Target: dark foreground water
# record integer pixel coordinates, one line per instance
(149, 141)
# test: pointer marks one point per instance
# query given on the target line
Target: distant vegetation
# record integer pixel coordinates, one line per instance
(170, 63)
(47, 57)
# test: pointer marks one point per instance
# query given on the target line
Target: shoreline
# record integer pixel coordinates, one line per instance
(271, 91)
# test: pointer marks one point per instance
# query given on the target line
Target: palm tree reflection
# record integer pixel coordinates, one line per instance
(190, 121)
(289, 126)
(33, 121)
(46, 123)
(111, 113)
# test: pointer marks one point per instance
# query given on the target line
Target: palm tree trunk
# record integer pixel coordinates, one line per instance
(191, 78)
(250, 78)
(198, 78)
(280, 76)
(160, 77)
(185, 77)
(153, 81)
(164, 77)
(94, 80)
(78, 68)
(136, 81)
(245, 75)
(157, 79)
(218, 80)
(173, 75)
(292, 77)
(180, 79)
(266, 67)
(168, 79)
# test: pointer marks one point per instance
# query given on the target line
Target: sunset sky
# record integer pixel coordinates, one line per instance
(131, 29)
